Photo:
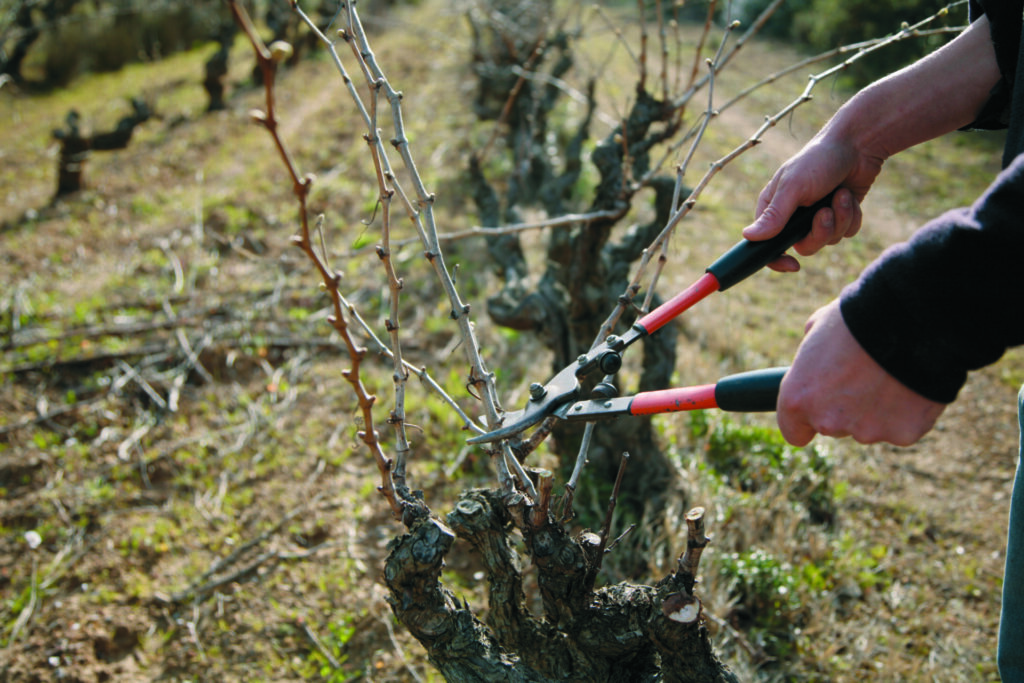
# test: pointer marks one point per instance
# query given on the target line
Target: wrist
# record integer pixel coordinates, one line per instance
(863, 128)
(938, 94)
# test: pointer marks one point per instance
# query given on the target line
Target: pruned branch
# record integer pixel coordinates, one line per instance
(612, 625)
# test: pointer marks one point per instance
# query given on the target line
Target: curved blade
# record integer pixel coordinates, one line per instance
(563, 388)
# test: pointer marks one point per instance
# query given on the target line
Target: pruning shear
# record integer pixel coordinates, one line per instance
(755, 391)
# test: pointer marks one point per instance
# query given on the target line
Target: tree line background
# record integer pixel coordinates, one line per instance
(49, 42)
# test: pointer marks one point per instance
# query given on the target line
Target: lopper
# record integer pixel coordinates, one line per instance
(744, 392)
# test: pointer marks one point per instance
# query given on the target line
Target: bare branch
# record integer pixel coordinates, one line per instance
(577, 470)
(696, 541)
(399, 504)
(419, 210)
(863, 49)
(612, 501)
(543, 506)
(568, 220)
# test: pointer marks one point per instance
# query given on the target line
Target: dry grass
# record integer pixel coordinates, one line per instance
(222, 539)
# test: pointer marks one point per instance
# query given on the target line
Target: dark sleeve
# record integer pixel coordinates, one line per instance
(1005, 18)
(951, 299)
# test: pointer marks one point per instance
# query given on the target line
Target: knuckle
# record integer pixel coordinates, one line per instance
(789, 404)
(831, 424)
(867, 436)
(907, 436)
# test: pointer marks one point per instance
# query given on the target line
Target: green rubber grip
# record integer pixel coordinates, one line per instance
(747, 257)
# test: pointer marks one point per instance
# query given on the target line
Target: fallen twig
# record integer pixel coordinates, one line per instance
(205, 585)
(332, 661)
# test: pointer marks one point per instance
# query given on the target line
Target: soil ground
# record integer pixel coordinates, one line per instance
(175, 429)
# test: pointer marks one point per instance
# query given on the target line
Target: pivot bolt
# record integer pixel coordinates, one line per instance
(537, 391)
(610, 362)
(604, 390)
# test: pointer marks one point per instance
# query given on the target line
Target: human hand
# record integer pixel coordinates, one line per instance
(835, 388)
(820, 167)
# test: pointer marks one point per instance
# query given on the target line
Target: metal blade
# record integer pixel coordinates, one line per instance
(563, 388)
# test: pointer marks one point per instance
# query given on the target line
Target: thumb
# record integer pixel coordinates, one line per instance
(771, 219)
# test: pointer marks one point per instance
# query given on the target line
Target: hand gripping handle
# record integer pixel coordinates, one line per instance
(739, 263)
(747, 257)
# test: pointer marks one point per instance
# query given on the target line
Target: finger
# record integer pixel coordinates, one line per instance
(847, 215)
(764, 198)
(897, 425)
(813, 319)
(785, 264)
(795, 431)
(833, 424)
(823, 229)
(771, 218)
(873, 429)
(792, 418)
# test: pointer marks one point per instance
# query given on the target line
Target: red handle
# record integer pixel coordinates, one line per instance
(674, 400)
(745, 392)
(743, 260)
(706, 285)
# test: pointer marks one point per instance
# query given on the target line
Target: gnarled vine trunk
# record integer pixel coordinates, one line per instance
(586, 268)
(622, 633)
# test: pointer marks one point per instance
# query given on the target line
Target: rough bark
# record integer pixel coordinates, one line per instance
(625, 632)
(586, 270)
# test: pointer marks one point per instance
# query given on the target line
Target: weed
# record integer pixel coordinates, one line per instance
(154, 537)
(1013, 372)
(751, 457)
(45, 440)
(327, 661)
(768, 599)
(99, 490)
(860, 568)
